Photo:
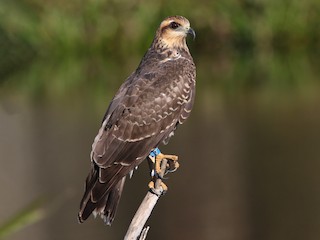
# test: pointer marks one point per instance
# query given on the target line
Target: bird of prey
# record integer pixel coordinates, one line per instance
(156, 98)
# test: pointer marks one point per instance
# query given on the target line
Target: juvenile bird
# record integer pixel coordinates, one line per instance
(156, 98)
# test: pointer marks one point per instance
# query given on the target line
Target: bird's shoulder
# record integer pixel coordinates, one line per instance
(157, 86)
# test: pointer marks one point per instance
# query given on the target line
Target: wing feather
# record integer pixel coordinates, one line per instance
(144, 112)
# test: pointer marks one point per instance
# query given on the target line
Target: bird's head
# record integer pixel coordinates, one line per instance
(173, 31)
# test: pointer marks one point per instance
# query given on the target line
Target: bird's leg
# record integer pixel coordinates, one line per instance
(156, 158)
(170, 158)
(157, 173)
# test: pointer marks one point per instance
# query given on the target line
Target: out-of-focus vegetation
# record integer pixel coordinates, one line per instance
(31, 214)
(81, 38)
(119, 27)
(257, 91)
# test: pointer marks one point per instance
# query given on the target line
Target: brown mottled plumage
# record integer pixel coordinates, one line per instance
(145, 111)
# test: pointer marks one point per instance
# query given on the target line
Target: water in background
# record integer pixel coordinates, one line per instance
(249, 156)
(249, 153)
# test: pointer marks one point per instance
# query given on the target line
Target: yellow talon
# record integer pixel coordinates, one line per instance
(162, 185)
(151, 185)
(160, 157)
(172, 166)
(156, 185)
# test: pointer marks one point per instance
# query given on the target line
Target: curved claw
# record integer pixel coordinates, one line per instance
(172, 166)
(163, 188)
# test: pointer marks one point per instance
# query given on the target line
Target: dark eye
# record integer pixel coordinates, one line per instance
(174, 25)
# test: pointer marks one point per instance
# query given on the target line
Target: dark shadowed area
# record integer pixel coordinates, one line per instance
(249, 154)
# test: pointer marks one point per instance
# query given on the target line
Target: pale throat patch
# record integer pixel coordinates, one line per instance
(170, 40)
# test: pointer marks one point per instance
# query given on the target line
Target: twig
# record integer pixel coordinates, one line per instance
(144, 233)
(144, 211)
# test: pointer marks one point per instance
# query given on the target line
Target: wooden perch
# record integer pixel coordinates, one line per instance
(135, 230)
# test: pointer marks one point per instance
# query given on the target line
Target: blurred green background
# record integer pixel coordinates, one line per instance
(249, 153)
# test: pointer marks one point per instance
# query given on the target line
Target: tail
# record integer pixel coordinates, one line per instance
(107, 205)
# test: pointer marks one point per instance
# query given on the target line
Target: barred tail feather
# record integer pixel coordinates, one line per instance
(106, 207)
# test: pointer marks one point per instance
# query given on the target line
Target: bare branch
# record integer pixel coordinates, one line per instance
(145, 209)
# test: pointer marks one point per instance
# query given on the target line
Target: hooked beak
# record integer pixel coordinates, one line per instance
(192, 33)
